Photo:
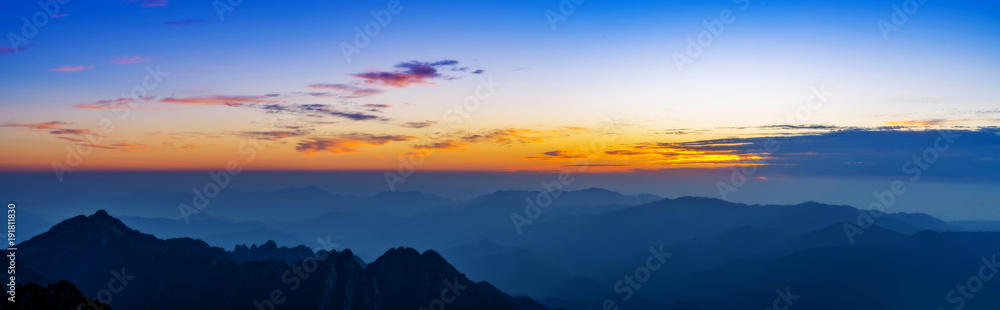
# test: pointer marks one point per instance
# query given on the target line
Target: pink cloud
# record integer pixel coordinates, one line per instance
(71, 68)
(129, 60)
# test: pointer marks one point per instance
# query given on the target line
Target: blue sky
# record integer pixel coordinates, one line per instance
(555, 86)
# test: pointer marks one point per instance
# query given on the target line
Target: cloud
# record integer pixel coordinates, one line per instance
(940, 122)
(408, 74)
(8, 50)
(129, 60)
(817, 127)
(187, 147)
(312, 110)
(120, 103)
(54, 127)
(135, 147)
(443, 145)
(423, 124)
(346, 143)
(220, 100)
(559, 155)
(885, 153)
(37, 126)
(68, 131)
(931, 122)
(273, 135)
(498, 137)
(70, 139)
(99, 146)
(71, 68)
(272, 103)
(191, 21)
(349, 91)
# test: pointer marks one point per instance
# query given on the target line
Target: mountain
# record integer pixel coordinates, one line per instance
(976, 225)
(59, 296)
(515, 270)
(188, 273)
(925, 270)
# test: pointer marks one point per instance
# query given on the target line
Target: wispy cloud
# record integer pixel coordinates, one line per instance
(220, 100)
(129, 60)
(347, 143)
(499, 137)
(54, 127)
(348, 91)
(37, 126)
(120, 103)
(423, 124)
(70, 131)
(8, 50)
(877, 152)
(135, 147)
(99, 146)
(274, 134)
(313, 110)
(71, 68)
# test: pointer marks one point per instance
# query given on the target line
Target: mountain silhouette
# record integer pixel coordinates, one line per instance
(188, 273)
(59, 296)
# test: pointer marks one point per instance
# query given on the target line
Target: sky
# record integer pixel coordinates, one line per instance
(846, 89)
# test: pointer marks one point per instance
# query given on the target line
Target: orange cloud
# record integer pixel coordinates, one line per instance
(656, 154)
(37, 126)
(135, 147)
(347, 143)
(499, 137)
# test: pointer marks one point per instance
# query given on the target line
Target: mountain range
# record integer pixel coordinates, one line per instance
(577, 254)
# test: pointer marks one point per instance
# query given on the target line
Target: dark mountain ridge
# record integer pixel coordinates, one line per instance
(187, 273)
